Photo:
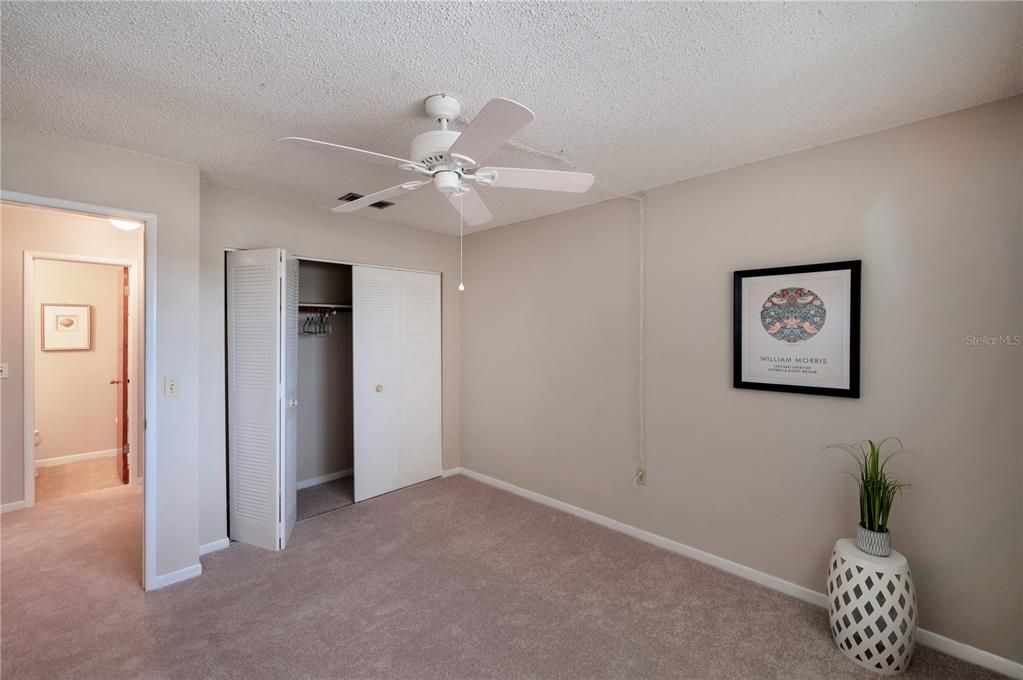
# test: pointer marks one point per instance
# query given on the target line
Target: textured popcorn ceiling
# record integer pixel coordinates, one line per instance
(641, 95)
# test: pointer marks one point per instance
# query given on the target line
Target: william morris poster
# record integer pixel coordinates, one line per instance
(796, 329)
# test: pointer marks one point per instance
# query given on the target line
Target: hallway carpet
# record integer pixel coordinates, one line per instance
(446, 579)
(58, 481)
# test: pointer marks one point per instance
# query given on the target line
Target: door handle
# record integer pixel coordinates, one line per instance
(115, 382)
(380, 388)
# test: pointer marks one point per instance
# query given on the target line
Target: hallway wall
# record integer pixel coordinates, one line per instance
(76, 406)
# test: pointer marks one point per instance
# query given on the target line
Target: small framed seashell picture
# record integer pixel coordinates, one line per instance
(797, 329)
(66, 327)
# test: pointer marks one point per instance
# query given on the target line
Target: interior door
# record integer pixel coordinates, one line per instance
(122, 383)
(396, 378)
(376, 368)
(256, 409)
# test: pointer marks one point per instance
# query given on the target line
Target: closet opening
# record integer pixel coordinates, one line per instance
(325, 436)
(333, 387)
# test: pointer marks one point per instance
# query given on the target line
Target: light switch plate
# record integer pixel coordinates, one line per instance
(4, 370)
(171, 388)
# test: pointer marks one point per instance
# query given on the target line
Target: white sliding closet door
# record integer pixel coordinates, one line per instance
(376, 373)
(262, 339)
(397, 370)
(420, 373)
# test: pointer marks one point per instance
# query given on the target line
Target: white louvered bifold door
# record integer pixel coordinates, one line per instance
(376, 373)
(254, 367)
(397, 389)
(290, 459)
(421, 377)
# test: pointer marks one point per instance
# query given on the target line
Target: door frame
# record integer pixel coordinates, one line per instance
(28, 358)
(143, 428)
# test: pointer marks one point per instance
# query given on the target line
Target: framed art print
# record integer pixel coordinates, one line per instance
(66, 327)
(797, 329)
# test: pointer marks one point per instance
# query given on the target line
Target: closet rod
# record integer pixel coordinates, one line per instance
(318, 305)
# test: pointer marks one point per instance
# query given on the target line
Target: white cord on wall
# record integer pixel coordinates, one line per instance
(640, 477)
(461, 235)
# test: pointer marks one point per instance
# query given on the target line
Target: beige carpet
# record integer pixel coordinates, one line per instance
(316, 500)
(82, 476)
(446, 579)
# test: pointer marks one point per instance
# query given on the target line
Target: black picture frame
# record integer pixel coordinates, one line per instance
(854, 267)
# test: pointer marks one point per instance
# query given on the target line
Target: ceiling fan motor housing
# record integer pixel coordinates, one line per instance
(442, 107)
(431, 148)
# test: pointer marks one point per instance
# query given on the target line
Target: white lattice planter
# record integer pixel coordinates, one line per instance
(873, 609)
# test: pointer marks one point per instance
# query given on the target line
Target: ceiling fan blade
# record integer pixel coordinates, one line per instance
(499, 120)
(474, 210)
(545, 180)
(352, 206)
(349, 151)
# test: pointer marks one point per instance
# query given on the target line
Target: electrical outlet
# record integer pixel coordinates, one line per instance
(171, 388)
(4, 370)
(640, 478)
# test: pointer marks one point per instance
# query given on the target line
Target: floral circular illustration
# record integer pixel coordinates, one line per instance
(793, 314)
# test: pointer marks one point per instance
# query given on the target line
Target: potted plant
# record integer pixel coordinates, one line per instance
(877, 493)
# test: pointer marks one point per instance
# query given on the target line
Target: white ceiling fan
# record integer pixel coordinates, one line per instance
(451, 159)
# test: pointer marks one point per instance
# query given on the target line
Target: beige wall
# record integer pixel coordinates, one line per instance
(232, 219)
(76, 406)
(550, 355)
(47, 231)
(101, 175)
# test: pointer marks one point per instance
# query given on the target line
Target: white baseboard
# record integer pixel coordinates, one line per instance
(963, 651)
(74, 458)
(323, 479)
(13, 505)
(924, 637)
(207, 548)
(184, 574)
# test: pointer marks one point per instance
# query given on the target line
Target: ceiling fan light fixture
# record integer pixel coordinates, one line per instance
(448, 182)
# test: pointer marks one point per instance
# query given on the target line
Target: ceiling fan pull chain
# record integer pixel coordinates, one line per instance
(461, 286)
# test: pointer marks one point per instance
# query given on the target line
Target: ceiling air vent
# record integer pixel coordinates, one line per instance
(352, 196)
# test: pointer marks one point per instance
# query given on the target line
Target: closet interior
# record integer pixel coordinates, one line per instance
(325, 434)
